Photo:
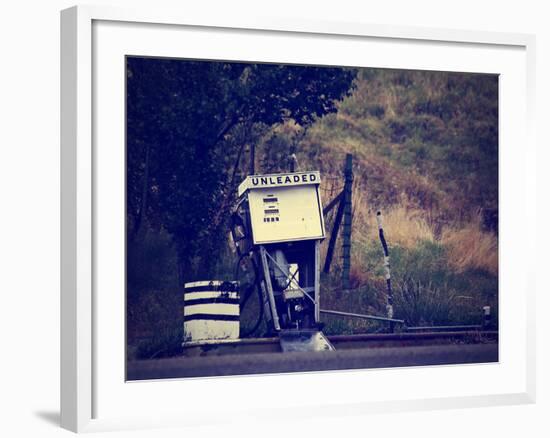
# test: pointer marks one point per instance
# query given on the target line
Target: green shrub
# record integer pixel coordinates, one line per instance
(427, 290)
(421, 305)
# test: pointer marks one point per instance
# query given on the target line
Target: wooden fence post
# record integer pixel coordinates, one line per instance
(334, 235)
(346, 231)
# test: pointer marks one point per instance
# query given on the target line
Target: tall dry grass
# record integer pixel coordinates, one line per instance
(404, 226)
(469, 247)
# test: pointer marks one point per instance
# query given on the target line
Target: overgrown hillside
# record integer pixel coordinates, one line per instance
(425, 150)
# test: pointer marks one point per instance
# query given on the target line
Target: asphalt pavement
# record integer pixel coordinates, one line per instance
(269, 363)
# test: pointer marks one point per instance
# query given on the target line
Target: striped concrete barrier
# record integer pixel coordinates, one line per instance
(211, 311)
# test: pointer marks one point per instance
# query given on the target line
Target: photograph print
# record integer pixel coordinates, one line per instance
(297, 218)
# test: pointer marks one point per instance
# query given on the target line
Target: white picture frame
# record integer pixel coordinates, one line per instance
(83, 371)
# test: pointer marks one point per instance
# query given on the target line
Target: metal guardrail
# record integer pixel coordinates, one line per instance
(444, 327)
(361, 316)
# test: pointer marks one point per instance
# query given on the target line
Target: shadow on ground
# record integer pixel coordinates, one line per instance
(51, 417)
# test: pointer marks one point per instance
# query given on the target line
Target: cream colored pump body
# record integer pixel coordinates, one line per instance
(278, 222)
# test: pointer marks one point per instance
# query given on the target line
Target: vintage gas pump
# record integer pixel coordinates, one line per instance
(278, 221)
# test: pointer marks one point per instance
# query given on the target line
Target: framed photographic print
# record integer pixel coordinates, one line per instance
(275, 208)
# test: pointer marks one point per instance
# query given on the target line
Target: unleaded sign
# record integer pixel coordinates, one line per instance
(278, 180)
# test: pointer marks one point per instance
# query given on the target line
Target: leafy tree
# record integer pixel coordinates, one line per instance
(188, 123)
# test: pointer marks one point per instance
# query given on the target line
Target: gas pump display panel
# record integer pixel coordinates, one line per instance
(282, 214)
(284, 207)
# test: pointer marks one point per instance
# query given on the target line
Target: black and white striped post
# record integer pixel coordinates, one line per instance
(389, 305)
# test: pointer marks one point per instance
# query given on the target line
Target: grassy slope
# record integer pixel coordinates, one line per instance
(428, 136)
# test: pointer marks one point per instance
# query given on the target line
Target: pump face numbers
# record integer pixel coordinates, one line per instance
(271, 208)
